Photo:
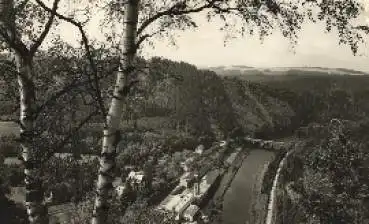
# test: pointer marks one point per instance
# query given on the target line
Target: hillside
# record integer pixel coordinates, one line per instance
(200, 102)
(178, 99)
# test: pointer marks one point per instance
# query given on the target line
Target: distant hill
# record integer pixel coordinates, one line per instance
(259, 74)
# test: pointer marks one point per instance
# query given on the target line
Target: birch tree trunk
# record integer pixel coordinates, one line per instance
(112, 129)
(36, 209)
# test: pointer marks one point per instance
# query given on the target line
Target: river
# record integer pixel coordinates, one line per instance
(241, 195)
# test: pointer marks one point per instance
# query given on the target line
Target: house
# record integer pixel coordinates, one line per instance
(129, 167)
(222, 143)
(118, 186)
(184, 179)
(191, 213)
(199, 149)
(177, 203)
(137, 179)
(186, 164)
(184, 202)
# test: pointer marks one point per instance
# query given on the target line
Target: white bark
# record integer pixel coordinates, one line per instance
(36, 209)
(114, 118)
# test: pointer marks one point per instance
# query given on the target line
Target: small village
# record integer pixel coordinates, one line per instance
(193, 190)
(202, 172)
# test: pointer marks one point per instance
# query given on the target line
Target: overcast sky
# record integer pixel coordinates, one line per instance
(205, 47)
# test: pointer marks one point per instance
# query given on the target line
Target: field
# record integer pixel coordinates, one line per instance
(7, 128)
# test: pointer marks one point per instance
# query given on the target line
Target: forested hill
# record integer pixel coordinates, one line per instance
(202, 103)
(272, 106)
(178, 98)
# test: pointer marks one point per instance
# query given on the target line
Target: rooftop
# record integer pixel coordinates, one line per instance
(136, 175)
(177, 202)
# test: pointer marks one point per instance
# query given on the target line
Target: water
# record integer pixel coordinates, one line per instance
(240, 196)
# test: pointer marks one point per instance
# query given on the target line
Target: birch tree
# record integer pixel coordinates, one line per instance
(24, 26)
(22, 56)
(146, 20)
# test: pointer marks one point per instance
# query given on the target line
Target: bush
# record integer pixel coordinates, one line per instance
(334, 184)
(178, 143)
(8, 146)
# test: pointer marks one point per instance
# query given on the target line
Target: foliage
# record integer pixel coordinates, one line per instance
(158, 20)
(336, 184)
(69, 180)
(8, 146)
(9, 211)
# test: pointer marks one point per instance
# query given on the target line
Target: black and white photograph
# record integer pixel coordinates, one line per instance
(184, 111)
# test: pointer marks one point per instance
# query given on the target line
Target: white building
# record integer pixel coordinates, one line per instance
(222, 143)
(120, 190)
(118, 186)
(199, 149)
(177, 203)
(136, 179)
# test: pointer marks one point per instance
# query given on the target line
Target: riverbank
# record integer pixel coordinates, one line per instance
(227, 178)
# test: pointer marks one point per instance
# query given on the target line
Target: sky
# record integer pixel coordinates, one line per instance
(205, 47)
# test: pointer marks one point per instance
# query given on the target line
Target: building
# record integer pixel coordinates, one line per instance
(137, 180)
(186, 164)
(191, 213)
(177, 203)
(118, 186)
(201, 188)
(183, 180)
(199, 149)
(223, 143)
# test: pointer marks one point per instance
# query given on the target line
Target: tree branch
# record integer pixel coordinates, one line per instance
(88, 52)
(362, 28)
(46, 30)
(142, 38)
(13, 42)
(71, 134)
(8, 30)
(176, 9)
(65, 90)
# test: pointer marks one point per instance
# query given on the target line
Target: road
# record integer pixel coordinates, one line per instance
(242, 194)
